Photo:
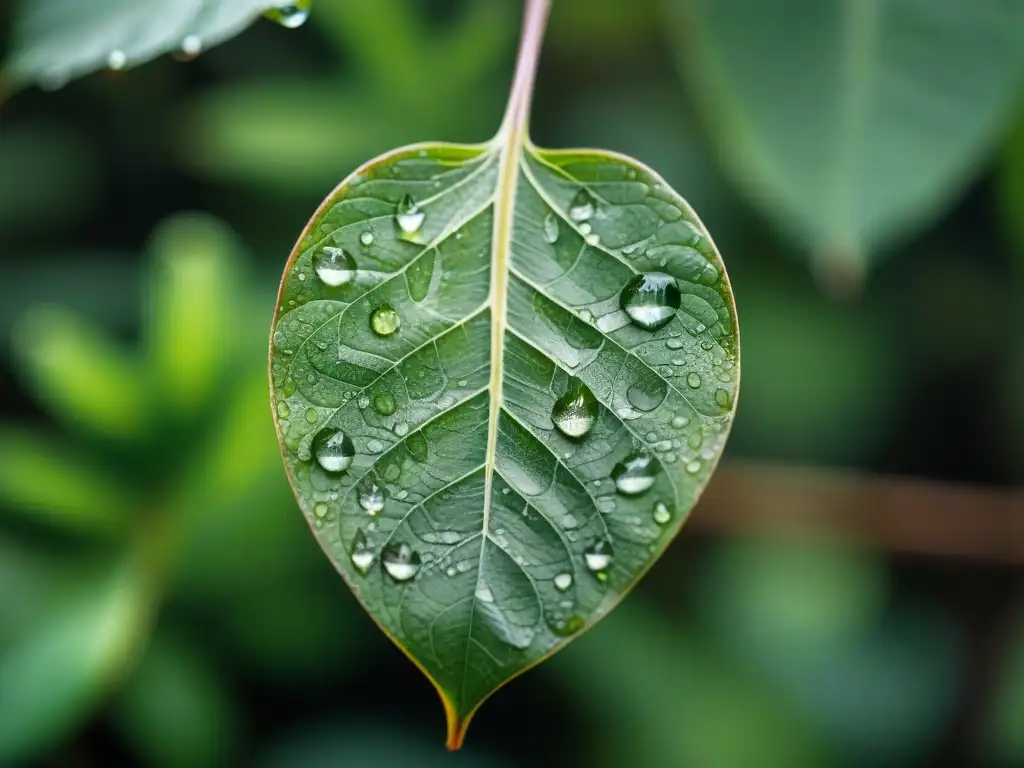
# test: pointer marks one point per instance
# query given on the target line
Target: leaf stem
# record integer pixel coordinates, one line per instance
(535, 18)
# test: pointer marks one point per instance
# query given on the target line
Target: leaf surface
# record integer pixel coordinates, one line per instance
(56, 40)
(487, 447)
(852, 121)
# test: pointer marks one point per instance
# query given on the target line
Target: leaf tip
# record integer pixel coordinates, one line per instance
(457, 727)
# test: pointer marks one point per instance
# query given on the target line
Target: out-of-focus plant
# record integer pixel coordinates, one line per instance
(164, 485)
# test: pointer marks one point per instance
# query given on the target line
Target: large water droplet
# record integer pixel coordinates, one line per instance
(409, 216)
(693, 380)
(400, 561)
(551, 228)
(290, 15)
(582, 206)
(333, 450)
(334, 266)
(635, 474)
(648, 396)
(384, 403)
(371, 497)
(116, 60)
(563, 581)
(384, 321)
(599, 558)
(575, 412)
(651, 300)
(662, 514)
(361, 554)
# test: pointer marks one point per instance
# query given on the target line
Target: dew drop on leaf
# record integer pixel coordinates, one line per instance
(334, 266)
(116, 60)
(371, 497)
(563, 581)
(409, 216)
(290, 15)
(722, 398)
(693, 380)
(366, 238)
(400, 561)
(361, 554)
(384, 321)
(575, 412)
(651, 300)
(598, 558)
(582, 206)
(693, 467)
(662, 514)
(635, 474)
(333, 450)
(679, 422)
(384, 404)
(192, 46)
(551, 228)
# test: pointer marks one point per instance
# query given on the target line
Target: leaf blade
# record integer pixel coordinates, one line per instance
(464, 522)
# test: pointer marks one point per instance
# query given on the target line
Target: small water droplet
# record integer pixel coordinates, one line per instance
(400, 561)
(593, 239)
(585, 229)
(563, 581)
(551, 228)
(192, 46)
(334, 266)
(586, 316)
(312, 416)
(374, 446)
(320, 510)
(384, 321)
(598, 557)
(371, 497)
(116, 60)
(366, 238)
(582, 206)
(361, 554)
(401, 429)
(575, 412)
(662, 514)
(384, 403)
(693, 467)
(283, 410)
(290, 15)
(693, 380)
(722, 398)
(651, 300)
(333, 450)
(363, 401)
(566, 627)
(409, 216)
(484, 594)
(679, 422)
(635, 474)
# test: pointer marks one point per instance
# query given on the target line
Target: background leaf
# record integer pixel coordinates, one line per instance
(852, 122)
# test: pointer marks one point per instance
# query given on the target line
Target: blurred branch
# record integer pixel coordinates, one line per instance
(897, 514)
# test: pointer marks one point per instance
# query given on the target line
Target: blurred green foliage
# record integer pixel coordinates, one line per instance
(161, 602)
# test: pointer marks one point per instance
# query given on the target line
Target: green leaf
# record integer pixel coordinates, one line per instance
(852, 121)
(81, 375)
(488, 448)
(54, 672)
(56, 40)
(41, 477)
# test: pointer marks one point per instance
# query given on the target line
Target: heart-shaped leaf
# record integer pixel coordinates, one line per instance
(502, 377)
(56, 40)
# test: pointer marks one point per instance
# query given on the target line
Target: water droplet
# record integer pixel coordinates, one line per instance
(374, 446)
(384, 404)
(582, 206)
(320, 510)
(693, 380)
(575, 412)
(674, 344)
(651, 300)
(290, 15)
(693, 467)
(366, 238)
(334, 266)
(635, 474)
(363, 401)
(371, 497)
(551, 228)
(116, 60)
(384, 321)
(585, 229)
(401, 429)
(662, 514)
(361, 554)
(598, 557)
(312, 416)
(484, 594)
(192, 46)
(647, 398)
(333, 450)
(283, 410)
(400, 561)
(566, 627)
(722, 398)
(679, 422)
(563, 581)
(409, 216)
(593, 239)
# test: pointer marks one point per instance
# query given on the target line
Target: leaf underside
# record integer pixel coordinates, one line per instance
(478, 535)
